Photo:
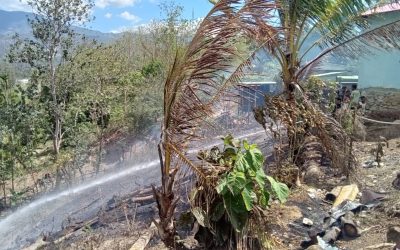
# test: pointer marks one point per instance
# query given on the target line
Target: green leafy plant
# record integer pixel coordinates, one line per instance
(245, 185)
(242, 187)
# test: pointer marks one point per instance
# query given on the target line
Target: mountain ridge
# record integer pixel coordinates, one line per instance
(12, 22)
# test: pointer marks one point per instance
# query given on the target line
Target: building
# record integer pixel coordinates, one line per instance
(252, 94)
(382, 68)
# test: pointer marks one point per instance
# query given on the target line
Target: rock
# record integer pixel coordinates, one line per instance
(393, 234)
(368, 164)
(363, 214)
(314, 247)
(312, 193)
(396, 182)
(374, 164)
(307, 222)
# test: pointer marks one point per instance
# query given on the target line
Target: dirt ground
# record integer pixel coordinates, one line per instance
(286, 224)
(308, 202)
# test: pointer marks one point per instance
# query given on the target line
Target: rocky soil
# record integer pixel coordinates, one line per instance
(309, 202)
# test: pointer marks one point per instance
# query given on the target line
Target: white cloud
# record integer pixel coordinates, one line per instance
(108, 15)
(130, 17)
(120, 29)
(15, 5)
(114, 3)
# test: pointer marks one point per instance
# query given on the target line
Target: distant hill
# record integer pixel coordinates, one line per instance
(12, 22)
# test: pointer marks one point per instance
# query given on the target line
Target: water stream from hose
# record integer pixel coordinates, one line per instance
(49, 213)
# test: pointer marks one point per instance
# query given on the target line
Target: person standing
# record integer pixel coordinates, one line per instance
(354, 97)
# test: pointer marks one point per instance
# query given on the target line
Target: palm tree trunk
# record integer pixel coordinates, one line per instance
(166, 201)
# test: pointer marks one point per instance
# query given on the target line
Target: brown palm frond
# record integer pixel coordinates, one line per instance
(191, 83)
(335, 140)
(194, 83)
(200, 174)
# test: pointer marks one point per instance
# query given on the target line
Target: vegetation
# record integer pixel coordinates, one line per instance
(82, 93)
(235, 191)
(100, 91)
(283, 29)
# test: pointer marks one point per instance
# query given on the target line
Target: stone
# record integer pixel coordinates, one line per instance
(374, 164)
(363, 214)
(312, 193)
(396, 182)
(393, 234)
(314, 247)
(368, 164)
(307, 222)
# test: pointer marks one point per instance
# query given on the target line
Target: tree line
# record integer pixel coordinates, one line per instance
(80, 92)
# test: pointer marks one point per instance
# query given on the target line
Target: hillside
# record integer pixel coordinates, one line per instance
(12, 22)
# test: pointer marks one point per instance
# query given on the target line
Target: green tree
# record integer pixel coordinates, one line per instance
(52, 29)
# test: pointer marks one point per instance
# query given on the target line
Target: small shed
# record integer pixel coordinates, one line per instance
(252, 94)
(347, 81)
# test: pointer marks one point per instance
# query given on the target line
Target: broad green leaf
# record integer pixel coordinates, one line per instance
(229, 153)
(264, 198)
(260, 177)
(247, 199)
(280, 190)
(252, 159)
(222, 186)
(238, 219)
(236, 182)
(241, 164)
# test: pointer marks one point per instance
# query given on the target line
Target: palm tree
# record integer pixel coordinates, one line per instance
(283, 28)
(294, 28)
(290, 31)
(192, 88)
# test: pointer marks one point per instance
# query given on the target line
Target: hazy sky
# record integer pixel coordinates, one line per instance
(119, 15)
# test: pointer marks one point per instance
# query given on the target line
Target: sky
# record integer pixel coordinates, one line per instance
(120, 15)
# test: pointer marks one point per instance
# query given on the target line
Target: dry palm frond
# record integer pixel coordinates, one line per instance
(335, 140)
(191, 90)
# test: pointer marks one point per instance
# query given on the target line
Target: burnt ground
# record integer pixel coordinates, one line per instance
(307, 201)
(122, 225)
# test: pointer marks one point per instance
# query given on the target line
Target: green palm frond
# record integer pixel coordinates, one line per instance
(384, 37)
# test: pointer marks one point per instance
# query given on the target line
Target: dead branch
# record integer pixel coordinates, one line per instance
(143, 199)
(142, 242)
(381, 245)
(367, 229)
(37, 245)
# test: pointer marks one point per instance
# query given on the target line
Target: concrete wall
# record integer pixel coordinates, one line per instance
(383, 68)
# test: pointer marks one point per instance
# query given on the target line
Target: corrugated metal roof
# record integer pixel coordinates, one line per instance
(257, 83)
(383, 9)
(348, 77)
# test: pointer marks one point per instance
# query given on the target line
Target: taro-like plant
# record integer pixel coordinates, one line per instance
(234, 194)
(245, 185)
